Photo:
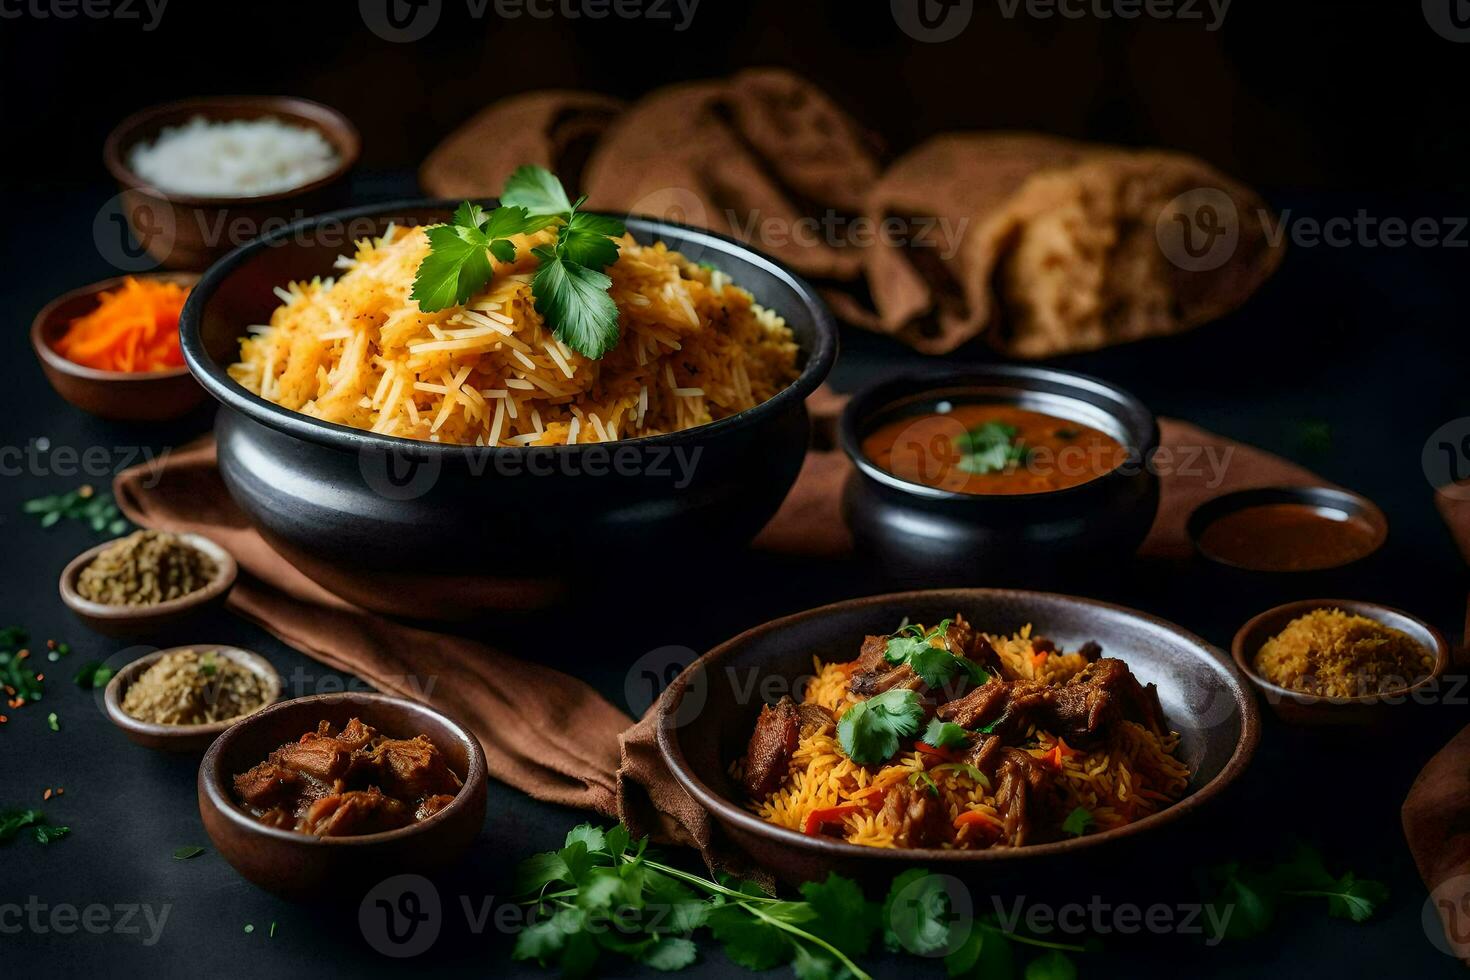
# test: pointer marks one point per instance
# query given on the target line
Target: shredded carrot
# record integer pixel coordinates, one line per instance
(1059, 753)
(935, 750)
(976, 818)
(818, 818)
(135, 328)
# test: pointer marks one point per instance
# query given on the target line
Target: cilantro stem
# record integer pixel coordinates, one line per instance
(1033, 941)
(842, 957)
(705, 883)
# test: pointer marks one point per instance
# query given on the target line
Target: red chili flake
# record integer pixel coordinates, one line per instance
(40, 677)
(3, 719)
(22, 654)
(59, 791)
(50, 644)
(46, 795)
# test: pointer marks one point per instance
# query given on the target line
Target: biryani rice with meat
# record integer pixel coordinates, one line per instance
(1125, 771)
(358, 351)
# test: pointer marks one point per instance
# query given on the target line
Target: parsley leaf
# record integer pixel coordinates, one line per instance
(945, 735)
(537, 190)
(458, 264)
(1077, 822)
(869, 730)
(1245, 899)
(575, 299)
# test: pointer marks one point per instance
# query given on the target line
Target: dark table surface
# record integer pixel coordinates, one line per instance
(1346, 362)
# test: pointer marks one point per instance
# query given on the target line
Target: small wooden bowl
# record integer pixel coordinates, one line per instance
(132, 622)
(1311, 710)
(183, 738)
(183, 231)
(303, 866)
(124, 396)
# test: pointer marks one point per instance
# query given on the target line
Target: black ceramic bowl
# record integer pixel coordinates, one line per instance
(705, 721)
(918, 535)
(423, 529)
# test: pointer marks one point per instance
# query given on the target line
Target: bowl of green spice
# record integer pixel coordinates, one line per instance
(147, 582)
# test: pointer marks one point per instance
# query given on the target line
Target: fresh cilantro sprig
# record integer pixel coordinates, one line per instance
(869, 731)
(990, 447)
(935, 665)
(569, 287)
(458, 264)
(945, 735)
(1251, 896)
(13, 821)
(604, 894)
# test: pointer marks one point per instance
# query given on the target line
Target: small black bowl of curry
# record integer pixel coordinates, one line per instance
(1288, 531)
(999, 473)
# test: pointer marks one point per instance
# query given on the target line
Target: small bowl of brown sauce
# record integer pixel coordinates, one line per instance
(146, 582)
(997, 473)
(1340, 662)
(322, 795)
(1291, 532)
(180, 699)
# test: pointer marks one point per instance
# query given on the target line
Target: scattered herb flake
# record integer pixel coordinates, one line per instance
(188, 851)
(1077, 822)
(53, 722)
(991, 447)
(86, 504)
(93, 675)
(249, 928)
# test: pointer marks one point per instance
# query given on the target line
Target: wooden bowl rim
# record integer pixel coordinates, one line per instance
(117, 689)
(723, 810)
(1288, 611)
(226, 571)
(334, 126)
(45, 329)
(213, 789)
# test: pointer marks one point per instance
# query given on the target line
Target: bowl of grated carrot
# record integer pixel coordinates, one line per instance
(112, 348)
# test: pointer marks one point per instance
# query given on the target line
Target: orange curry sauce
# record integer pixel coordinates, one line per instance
(1288, 538)
(929, 449)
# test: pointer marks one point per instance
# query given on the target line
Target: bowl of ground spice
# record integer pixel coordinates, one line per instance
(1338, 662)
(146, 582)
(180, 699)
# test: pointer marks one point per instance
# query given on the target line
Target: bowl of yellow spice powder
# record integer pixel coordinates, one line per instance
(180, 699)
(146, 582)
(1341, 662)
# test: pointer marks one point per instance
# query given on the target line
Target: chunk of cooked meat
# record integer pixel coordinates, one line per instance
(814, 718)
(875, 674)
(267, 785)
(356, 735)
(410, 767)
(318, 756)
(1080, 710)
(918, 818)
(771, 744)
(1022, 786)
(431, 805)
(359, 811)
(1101, 692)
(1090, 650)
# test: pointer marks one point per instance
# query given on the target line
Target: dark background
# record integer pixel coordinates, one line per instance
(1346, 362)
(1284, 94)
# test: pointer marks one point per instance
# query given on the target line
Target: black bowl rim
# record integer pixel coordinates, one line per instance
(1376, 611)
(212, 780)
(875, 397)
(724, 811)
(114, 152)
(227, 391)
(1348, 501)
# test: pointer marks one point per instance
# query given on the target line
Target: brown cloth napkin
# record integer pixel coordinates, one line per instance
(1436, 813)
(1034, 245)
(613, 767)
(1044, 245)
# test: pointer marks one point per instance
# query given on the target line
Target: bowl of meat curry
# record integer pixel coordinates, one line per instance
(967, 730)
(322, 795)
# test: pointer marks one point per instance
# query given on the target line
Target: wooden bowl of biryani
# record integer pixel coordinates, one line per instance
(826, 808)
(1341, 662)
(182, 698)
(475, 464)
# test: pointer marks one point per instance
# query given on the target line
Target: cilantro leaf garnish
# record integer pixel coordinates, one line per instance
(945, 735)
(870, 730)
(1254, 894)
(935, 665)
(1077, 822)
(990, 447)
(458, 264)
(569, 287)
